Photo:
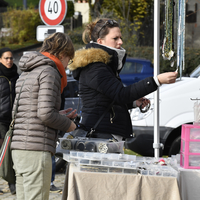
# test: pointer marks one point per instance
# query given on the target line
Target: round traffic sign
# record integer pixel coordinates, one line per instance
(52, 12)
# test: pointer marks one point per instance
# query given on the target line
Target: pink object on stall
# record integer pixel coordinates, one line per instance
(190, 147)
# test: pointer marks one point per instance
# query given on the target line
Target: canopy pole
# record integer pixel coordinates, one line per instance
(156, 144)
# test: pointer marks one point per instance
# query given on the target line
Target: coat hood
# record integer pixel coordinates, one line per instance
(32, 60)
(84, 57)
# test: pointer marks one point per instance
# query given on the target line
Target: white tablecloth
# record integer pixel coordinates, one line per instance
(189, 184)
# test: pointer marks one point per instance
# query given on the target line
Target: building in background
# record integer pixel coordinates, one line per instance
(83, 8)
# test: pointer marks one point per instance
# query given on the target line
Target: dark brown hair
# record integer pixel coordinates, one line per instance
(58, 44)
(3, 50)
(94, 30)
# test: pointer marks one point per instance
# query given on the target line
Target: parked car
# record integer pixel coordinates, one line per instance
(196, 72)
(135, 69)
(71, 94)
(176, 108)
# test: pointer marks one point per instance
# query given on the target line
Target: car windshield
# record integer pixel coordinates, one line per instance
(131, 67)
(196, 72)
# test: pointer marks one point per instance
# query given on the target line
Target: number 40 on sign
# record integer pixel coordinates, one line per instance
(52, 12)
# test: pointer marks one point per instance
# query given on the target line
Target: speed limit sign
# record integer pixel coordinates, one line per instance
(52, 12)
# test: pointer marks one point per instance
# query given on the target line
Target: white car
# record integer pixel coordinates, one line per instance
(176, 105)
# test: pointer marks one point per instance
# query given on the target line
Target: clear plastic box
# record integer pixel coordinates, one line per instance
(195, 133)
(194, 160)
(120, 163)
(194, 147)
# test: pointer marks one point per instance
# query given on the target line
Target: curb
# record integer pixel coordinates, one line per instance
(27, 47)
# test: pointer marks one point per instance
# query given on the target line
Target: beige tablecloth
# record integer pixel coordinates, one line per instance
(108, 186)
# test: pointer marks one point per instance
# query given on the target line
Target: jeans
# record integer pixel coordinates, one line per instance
(53, 169)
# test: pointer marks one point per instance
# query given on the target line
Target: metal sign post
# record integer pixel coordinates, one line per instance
(25, 4)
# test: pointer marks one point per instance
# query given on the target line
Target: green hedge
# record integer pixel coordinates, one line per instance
(76, 36)
(70, 9)
(23, 24)
(19, 4)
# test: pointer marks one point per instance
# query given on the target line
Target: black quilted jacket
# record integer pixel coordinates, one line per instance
(7, 96)
(96, 69)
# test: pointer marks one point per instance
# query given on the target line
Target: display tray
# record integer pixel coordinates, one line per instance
(121, 163)
(155, 171)
(101, 169)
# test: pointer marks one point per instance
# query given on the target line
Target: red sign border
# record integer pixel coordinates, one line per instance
(56, 21)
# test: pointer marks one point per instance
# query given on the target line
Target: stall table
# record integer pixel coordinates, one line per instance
(189, 183)
(81, 185)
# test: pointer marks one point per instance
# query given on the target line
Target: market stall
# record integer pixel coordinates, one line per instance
(95, 175)
(108, 176)
(104, 174)
(112, 186)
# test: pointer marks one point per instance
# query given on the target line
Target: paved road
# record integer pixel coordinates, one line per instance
(59, 182)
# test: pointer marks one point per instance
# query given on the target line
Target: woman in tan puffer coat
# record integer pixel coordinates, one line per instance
(38, 117)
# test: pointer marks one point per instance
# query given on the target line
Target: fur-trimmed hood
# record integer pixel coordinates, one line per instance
(84, 57)
(95, 53)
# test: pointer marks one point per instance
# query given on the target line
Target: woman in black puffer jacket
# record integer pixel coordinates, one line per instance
(8, 78)
(97, 69)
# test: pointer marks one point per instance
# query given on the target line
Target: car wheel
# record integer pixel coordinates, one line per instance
(60, 163)
(175, 147)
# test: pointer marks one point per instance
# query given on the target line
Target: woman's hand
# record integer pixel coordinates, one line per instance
(142, 102)
(72, 127)
(167, 78)
(71, 115)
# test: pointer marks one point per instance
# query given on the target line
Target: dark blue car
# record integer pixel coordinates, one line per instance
(136, 69)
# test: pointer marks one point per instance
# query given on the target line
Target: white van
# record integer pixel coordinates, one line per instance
(176, 102)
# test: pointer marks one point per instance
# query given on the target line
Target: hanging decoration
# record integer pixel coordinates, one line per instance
(181, 36)
(168, 41)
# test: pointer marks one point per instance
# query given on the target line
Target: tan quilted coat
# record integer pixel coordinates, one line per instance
(38, 118)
